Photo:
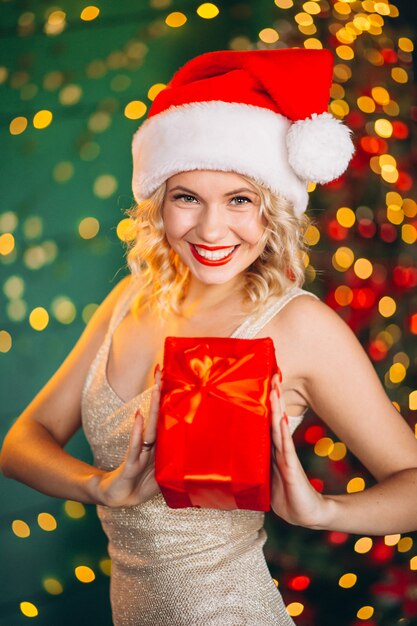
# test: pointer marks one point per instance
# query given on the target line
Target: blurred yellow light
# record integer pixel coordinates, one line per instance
(390, 175)
(368, 5)
(84, 574)
(363, 545)
(39, 318)
(28, 609)
(409, 233)
(313, 44)
(240, 43)
(207, 11)
(63, 309)
(343, 258)
(268, 35)
(295, 608)
(376, 20)
(74, 509)
(311, 7)
(339, 108)
(342, 72)
(6, 243)
(337, 92)
(413, 563)
(307, 30)
(155, 90)
(380, 95)
(42, 119)
(104, 186)
(47, 522)
(383, 128)
(304, 19)
(89, 13)
(365, 612)
(405, 544)
(5, 341)
(347, 580)
(362, 22)
(405, 44)
(135, 109)
(374, 56)
(392, 108)
(105, 566)
(391, 540)
(399, 75)
(18, 125)
(345, 52)
(284, 4)
(409, 207)
(343, 295)
(363, 268)
(345, 216)
(88, 312)
(366, 104)
(312, 235)
(52, 586)
(88, 227)
(393, 11)
(175, 19)
(20, 528)
(126, 230)
(339, 451)
(324, 446)
(393, 198)
(382, 8)
(387, 306)
(397, 373)
(345, 37)
(386, 160)
(355, 484)
(342, 8)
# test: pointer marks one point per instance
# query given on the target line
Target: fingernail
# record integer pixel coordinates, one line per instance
(156, 370)
(285, 417)
(275, 386)
(279, 374)
(137, 414)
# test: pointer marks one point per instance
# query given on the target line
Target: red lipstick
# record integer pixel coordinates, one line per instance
(209, 262)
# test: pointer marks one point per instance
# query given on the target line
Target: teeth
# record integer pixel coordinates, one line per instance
(214, 255)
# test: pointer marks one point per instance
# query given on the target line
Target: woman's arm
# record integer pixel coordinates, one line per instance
(32, 450)
(341, 385)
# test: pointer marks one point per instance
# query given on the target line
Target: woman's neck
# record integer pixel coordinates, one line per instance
(202, 298)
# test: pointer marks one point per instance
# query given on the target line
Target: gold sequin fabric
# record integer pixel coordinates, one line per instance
(177, 567)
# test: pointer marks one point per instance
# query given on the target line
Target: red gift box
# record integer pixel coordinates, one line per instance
(213, 440)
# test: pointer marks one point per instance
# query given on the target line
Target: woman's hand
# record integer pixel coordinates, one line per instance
(292, 496)
(133, 482)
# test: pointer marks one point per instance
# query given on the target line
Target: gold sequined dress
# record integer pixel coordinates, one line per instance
(177, 567)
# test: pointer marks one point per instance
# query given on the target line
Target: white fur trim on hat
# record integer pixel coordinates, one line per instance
(216, 135)
(241, 138)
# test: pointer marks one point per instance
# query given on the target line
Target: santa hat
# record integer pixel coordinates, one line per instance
(261, 113)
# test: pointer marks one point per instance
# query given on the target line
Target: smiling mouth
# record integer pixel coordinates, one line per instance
(216, 255)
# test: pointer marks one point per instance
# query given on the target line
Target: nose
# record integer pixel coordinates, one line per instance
(212, 224)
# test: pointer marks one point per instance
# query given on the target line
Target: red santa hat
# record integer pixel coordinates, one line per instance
(261, 113)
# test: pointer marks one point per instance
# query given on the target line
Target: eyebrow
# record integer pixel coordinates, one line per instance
(229, 193)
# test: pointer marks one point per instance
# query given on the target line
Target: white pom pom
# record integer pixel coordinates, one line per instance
(319, 148)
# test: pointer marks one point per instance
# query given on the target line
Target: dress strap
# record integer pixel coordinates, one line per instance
(122, 305)
(255, 323)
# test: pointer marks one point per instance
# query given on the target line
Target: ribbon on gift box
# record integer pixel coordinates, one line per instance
(203, 471)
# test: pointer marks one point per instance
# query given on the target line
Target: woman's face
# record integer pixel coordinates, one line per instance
(212, 222)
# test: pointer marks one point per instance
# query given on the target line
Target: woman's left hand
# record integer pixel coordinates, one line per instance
(292, 496)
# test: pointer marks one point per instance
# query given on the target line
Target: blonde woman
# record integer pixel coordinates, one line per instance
(220, 174)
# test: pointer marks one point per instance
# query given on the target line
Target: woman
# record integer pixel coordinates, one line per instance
(220, 172)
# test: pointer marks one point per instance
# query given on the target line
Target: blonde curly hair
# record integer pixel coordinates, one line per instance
(165, 278)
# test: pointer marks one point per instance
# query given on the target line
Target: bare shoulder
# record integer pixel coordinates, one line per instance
(341, 385)
(57, 406)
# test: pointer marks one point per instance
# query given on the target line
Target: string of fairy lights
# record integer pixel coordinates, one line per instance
(371, 91)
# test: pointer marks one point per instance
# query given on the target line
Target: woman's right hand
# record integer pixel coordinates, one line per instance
(133, 482)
